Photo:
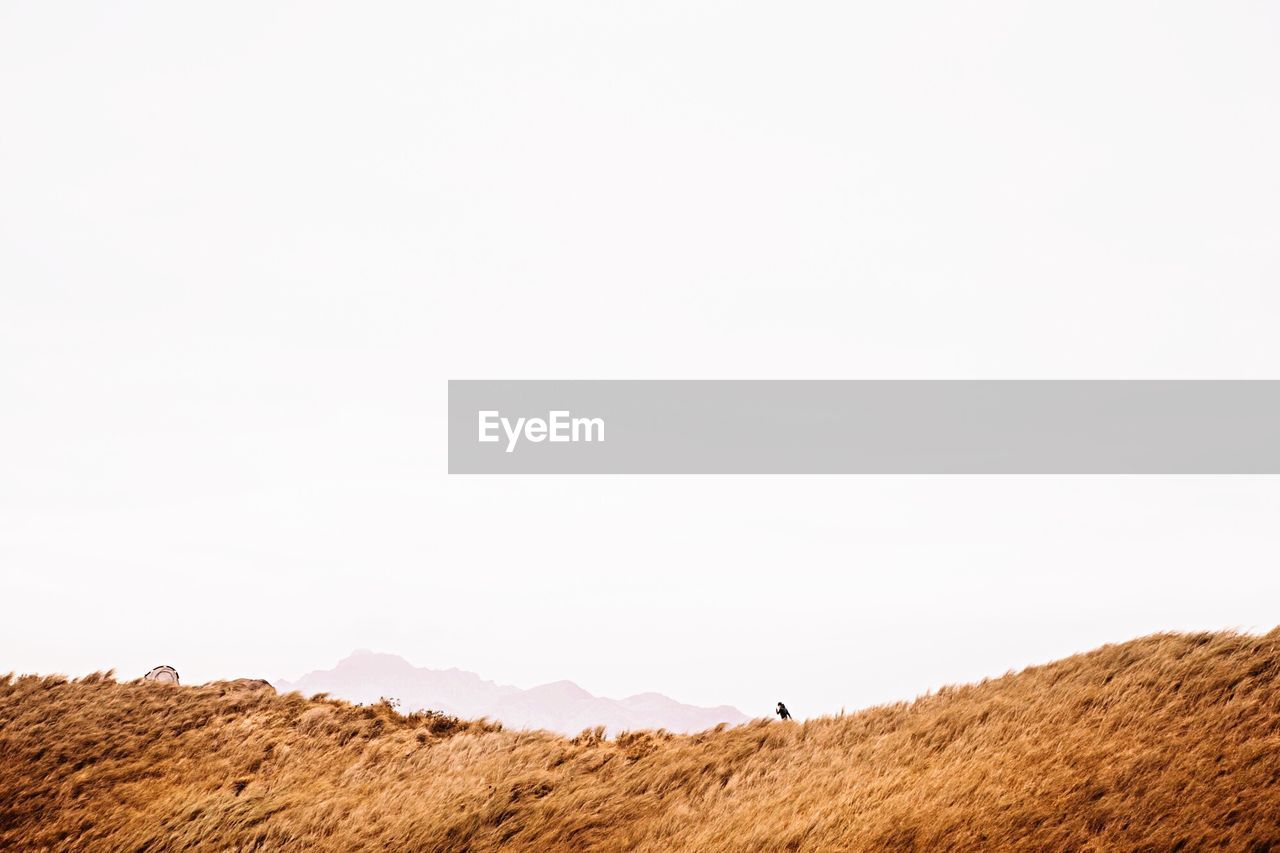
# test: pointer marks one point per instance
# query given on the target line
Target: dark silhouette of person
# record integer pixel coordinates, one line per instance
(783, 712)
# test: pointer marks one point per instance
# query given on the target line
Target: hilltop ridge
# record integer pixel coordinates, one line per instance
(1166, 742)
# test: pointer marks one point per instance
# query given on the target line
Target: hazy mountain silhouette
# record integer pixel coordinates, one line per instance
(561, 706)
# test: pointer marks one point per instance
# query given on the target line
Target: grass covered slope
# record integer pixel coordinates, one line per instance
(1169, 742)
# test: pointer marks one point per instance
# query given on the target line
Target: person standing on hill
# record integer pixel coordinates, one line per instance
(783, 712)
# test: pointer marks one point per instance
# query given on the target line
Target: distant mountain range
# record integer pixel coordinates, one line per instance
(561, 706)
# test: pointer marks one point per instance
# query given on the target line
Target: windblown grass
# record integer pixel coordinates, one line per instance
(1167, 742)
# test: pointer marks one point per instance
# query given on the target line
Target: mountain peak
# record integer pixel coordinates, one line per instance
(366, 676)
(564, 688)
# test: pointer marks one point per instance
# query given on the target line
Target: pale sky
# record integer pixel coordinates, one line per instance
(244, 245)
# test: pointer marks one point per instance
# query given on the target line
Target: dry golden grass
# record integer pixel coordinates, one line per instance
(1164, 743)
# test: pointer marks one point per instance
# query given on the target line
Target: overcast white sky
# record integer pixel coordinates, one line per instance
(244, 245)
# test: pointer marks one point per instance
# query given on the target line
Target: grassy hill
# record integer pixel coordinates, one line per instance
(1166, 742)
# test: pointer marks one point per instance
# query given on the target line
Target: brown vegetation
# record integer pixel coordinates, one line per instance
(1168, 742)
